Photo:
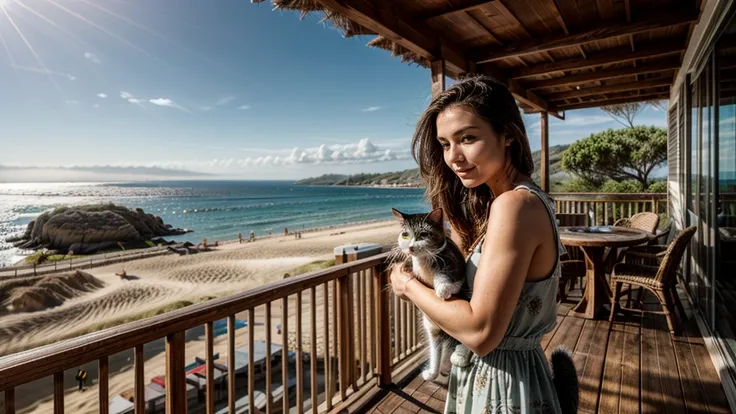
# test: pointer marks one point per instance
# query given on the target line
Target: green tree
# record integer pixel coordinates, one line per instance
(579, 185)
(627, 186)
(658, 187)
(619, 155)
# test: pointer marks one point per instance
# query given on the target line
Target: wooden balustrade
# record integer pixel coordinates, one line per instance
(366, 333)
(606, 208)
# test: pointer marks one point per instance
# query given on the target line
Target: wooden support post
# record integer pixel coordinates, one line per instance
(10, 401)
(285, 354)
(383, 326)
(544, 168)
(231, 363)
(437, 68)
(209, 388)
(345, 358)
(59, 392)
(138, 383)
(102, 384)
(176, 386)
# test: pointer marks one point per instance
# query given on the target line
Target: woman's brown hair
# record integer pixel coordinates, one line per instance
(467, 209)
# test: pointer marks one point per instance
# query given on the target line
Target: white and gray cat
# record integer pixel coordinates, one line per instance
(438, 263)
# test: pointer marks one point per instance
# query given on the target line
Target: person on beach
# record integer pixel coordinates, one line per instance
(474, 156)
(240, 237)
(252, 236)
(81, 377)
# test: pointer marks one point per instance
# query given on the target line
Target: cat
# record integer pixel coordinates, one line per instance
(424, 249)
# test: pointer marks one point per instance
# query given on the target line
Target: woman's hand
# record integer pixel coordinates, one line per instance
(399, 279)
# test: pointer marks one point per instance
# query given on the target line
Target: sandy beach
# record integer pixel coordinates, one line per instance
(162, 281)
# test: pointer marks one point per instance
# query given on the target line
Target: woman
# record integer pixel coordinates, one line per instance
(474, 156)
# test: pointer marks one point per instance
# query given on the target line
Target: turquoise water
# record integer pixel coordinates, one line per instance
(215, 210)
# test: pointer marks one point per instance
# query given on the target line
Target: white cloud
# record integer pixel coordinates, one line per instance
(371, 109)
(132, 99)
(168, 103)
(224, 101)
(205, 108)
(91, 56)
(71, 102)
(358, 153)
(244, 107)
(42, 71)
(102, 95)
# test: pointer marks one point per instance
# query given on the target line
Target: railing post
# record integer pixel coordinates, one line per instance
(10, 401)
(383, 331)
(176, 388)
(346, 341)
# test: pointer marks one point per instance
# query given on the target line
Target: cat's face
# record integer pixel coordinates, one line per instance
(421, 234)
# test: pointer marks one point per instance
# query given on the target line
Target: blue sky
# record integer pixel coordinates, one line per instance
(137, 88)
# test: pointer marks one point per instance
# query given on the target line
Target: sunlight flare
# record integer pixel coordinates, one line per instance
(49, 21)
(30, 48)
(100, 28)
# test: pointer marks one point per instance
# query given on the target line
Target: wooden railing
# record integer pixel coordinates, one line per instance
(366, 333)
(606, 208)
(96, 260)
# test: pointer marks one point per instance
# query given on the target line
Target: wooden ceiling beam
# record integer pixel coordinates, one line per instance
(457, 6)
(571, 80)
(532, 99)
(606, 57)
(619, 87)
(385, 18)
(600, 32)
(614, 101)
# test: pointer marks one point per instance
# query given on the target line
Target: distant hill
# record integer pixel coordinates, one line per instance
(406, 178)
(411, 178)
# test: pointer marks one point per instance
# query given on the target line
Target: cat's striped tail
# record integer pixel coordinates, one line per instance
(565, 379)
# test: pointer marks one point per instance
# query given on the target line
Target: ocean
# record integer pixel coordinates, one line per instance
(215, 210)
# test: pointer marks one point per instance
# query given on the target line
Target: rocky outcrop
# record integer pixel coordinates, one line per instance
(88, 229)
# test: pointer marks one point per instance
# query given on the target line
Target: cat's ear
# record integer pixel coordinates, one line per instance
(435, 216)
(399, 215)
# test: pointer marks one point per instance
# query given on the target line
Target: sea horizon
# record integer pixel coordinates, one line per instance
(213, 209)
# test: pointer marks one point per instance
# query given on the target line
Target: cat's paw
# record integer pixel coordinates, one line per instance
(445, 290)
(429, 375)
(461, 358)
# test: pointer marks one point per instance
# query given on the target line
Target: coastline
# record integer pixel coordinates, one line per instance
(164, 281)
(20, 263)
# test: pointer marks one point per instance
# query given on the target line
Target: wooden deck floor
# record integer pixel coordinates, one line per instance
(633, 365)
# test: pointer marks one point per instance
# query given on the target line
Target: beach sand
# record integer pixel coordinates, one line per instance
(160, 281)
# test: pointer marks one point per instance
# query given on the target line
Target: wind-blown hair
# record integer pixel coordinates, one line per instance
(467, 209)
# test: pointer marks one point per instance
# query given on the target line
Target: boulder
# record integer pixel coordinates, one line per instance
(87, 229)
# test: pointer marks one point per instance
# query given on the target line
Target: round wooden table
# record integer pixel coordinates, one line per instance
(593, 241)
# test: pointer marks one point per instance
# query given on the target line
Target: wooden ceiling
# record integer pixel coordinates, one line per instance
(554, 55)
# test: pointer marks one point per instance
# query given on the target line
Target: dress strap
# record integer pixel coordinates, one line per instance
(551, 211)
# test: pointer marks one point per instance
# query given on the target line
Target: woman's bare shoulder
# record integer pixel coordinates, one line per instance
(521, 209)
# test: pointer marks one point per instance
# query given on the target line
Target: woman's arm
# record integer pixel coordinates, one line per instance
(512, 238)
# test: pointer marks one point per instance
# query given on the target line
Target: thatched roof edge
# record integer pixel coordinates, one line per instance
(348, 28)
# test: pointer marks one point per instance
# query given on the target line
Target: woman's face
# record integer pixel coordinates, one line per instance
(470, 146)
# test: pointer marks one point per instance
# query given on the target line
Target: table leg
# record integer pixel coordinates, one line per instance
(597, 292)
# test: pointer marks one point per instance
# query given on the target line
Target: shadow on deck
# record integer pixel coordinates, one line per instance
(629, 366)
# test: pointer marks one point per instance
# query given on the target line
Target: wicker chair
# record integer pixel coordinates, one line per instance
(646, 221)
(573, 265)
(660, 280)
(653, 252)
